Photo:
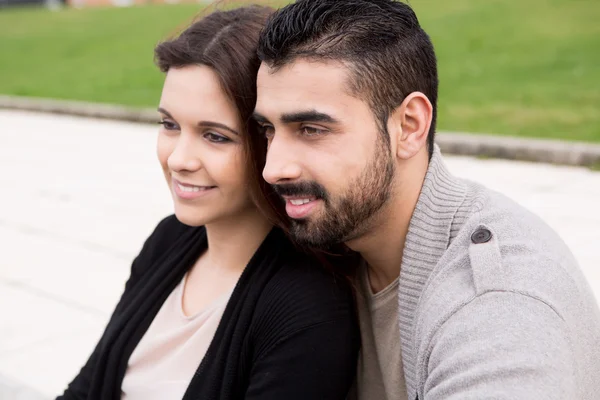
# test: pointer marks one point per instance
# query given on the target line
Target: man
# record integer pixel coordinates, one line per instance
(464, 294)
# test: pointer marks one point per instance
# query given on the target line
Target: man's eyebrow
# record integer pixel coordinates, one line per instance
(300, 116)
(307, 116)
(259, 118)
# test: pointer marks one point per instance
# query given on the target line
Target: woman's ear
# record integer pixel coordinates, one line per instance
(409, 125)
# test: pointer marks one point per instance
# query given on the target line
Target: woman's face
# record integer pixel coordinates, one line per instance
(200, 148)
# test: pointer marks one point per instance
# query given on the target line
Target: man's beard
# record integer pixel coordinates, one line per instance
(347, 216)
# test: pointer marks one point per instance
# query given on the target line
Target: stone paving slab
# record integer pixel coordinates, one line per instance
(79, 197)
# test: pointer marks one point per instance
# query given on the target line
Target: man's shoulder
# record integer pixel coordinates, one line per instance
(503, 247)
(511, 248)
(496, 229)
(505, 277)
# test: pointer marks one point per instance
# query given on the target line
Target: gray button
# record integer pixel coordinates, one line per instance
(481, 235)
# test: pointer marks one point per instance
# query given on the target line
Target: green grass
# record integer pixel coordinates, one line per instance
(99, 55)
(528, 68)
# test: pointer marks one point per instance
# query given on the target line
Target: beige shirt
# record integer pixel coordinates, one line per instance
(380, 374)
(164, 362)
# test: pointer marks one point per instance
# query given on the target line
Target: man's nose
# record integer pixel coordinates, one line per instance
(282, 164)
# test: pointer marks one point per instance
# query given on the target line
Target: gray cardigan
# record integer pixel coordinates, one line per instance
(491, 302)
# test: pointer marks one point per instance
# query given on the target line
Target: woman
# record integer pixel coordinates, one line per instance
(219, 304)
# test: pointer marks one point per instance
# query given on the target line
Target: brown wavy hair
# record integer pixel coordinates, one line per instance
(226, 41)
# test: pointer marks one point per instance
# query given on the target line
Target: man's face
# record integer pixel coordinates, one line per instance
(326, 157)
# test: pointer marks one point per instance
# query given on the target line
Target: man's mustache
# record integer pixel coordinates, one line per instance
(308, 189)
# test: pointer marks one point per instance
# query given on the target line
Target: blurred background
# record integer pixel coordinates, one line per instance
(528, 68)
(80, 195)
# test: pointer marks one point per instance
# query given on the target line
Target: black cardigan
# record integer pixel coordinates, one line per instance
(288, 332)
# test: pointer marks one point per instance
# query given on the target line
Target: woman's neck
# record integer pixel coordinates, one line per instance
(232, 243)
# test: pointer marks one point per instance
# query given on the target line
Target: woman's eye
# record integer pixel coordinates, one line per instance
(168, 125)
(216, 138)
(312, 131)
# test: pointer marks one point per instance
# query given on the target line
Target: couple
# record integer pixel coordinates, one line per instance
(254, 290)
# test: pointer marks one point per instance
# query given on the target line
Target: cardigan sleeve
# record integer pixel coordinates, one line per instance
(306, 339)
(78, 388)
(501, 345)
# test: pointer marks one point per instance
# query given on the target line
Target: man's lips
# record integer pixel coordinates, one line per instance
(298, 207)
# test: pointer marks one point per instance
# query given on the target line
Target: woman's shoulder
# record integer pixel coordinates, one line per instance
(306, 273)
(166, 234)
(320, 274)
(306, 287)
(301, 299)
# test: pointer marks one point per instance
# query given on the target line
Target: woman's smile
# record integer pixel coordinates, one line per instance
(188, 191)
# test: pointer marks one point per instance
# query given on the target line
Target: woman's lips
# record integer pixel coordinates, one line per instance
(188, 191)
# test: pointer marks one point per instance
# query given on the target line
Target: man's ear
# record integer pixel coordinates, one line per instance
(409, 125)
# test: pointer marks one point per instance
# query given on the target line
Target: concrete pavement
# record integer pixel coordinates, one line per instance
(79, 196)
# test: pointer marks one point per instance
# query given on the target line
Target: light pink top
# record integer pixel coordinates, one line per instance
(165, 360)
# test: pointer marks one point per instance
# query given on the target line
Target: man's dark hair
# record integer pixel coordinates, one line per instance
(381, 41)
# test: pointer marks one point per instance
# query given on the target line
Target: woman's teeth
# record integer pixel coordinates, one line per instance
(192, 188)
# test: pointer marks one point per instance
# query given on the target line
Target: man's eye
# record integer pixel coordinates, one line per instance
(268, 131)
(312, 131)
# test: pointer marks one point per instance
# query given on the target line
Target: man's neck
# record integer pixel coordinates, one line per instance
(382, 247)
